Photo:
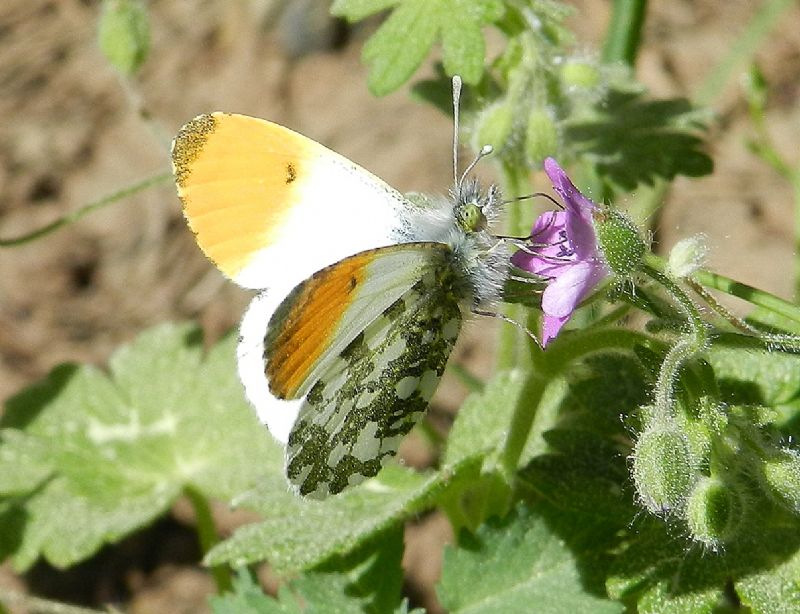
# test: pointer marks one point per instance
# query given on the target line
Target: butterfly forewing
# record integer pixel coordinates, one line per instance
(377, 387)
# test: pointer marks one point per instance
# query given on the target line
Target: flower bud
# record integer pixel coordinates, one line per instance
(493, 126)
(713, 512)
(619, 239)
(782, 477)
(582, 74)
(687, 256)
(662, 469)
(124, 34)
(541, 136)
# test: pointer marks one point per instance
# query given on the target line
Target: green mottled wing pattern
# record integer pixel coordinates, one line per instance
(372, 394)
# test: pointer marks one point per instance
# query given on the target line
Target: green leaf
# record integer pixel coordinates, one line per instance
(463, 48)
(482, 423)
(120, 447)
(633, 141)
(124, 34)
(356, 10)
(368, 580)
(773, 591)
(248, 598)
(398, 48)
(297, 534)
(401, 44)
(29, 457)
(757, 376)
(510, 565)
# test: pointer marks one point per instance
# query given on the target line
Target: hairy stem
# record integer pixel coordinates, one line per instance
(624, 31)
(743, 49)
(684, 349)
(748, 293)
(207, 534)
(779, 340)
(73, 217)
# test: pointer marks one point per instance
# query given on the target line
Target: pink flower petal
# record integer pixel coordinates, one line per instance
(562, 296)
(550, 328)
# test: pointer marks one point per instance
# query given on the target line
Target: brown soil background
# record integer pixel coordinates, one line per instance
(71, 132)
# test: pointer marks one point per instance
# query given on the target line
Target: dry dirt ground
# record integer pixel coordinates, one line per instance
(72, 132)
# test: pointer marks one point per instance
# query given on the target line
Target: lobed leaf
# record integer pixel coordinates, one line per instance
(356, 10)
(118, 448)
(633, 141)
(366, 581)
(516, 565)
(297, 534)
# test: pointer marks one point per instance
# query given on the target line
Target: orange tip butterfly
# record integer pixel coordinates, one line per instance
(362, 290)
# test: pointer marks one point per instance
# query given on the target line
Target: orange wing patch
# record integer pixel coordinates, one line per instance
(238, 179)
(306, 322)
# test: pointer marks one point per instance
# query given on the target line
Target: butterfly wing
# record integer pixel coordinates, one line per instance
(296, 340)
(364, 397)
(270, 207)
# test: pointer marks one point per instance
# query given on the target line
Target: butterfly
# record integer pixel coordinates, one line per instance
(362, 290)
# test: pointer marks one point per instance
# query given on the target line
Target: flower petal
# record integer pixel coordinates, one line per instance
(562, 184)
(562, 296)
(579, 224)
(550, 244)
(551, 325)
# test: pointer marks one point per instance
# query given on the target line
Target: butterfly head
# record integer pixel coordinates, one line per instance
(475, 209)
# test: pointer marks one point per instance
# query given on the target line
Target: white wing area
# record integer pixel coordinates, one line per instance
(341, 210)
(278, 414)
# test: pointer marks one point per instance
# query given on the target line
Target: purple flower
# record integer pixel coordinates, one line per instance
(563, 249)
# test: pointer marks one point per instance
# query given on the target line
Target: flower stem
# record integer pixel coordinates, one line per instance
(743, 49)
(685, 348)
(748, 293)
(624, 31)
(469, 380)
(207, 534)
(86, 209)
(787, 341)
(522, 421)
(512, 342)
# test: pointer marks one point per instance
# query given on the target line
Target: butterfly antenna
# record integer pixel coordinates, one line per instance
(534, 195)
(485, 151)
(456, 105)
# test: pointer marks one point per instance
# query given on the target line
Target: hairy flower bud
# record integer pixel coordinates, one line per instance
(541, 136)
(687, 256)
(582, 74)
(782, 477)
(619, 240)
(662, 469)
(713, 512)
(124, 34)
(493, 126)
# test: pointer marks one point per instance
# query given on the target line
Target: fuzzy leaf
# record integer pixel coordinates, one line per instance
(122, 446)
(356, 10)
(298, 533)
(512, 565)
(401, 44)
(483, 420)
(633, 141)
(757, 376)
(366, 581)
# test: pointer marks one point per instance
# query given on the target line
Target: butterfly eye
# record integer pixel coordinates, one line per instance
(472, 218)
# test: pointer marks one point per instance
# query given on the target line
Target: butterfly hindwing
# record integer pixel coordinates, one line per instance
(374, 390)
